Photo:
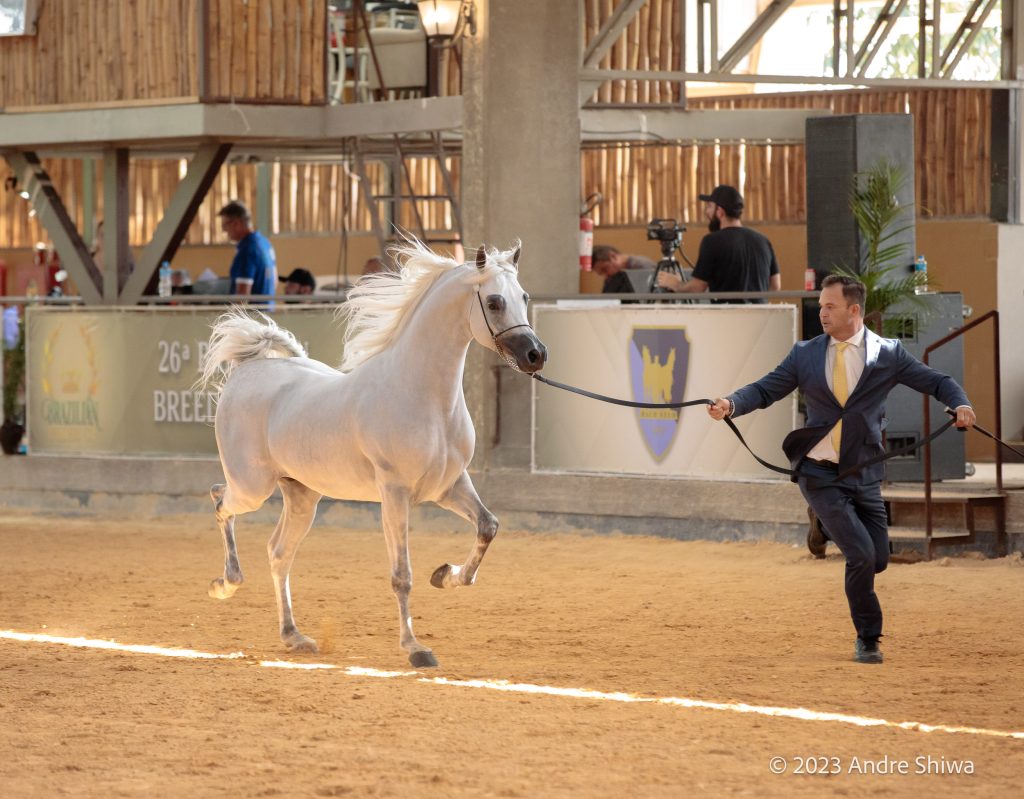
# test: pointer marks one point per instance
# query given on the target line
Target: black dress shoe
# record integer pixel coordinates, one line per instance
(867, 651)
(816, 539)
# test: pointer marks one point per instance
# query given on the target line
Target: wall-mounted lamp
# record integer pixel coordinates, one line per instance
(446, 21)
(11, 184)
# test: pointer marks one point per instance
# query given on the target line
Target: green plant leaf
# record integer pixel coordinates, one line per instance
(880, 219)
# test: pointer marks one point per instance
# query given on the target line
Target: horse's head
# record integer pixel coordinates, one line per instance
(498, 317)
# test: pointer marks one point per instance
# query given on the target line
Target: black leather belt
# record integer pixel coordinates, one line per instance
(830, 465)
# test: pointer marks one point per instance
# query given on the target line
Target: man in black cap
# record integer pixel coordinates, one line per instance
(300, 281)
(732, 257)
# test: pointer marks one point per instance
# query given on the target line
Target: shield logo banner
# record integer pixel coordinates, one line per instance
(658, 361)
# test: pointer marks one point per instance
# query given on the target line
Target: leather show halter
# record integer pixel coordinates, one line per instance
(494, 336)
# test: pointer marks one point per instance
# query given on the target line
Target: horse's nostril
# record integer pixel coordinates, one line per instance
(533, 356)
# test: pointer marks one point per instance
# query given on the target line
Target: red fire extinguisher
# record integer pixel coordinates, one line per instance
(587, 231)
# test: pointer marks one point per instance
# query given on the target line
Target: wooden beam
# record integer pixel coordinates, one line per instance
(610, 32)
(888, 15)
(604, 40)
(671, 125)
(189, 195)
(53, 216)
(973, 29)
(752, 35)
(1013, 40)
(117, 263)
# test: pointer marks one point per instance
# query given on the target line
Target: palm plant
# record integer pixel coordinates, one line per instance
(881, 219)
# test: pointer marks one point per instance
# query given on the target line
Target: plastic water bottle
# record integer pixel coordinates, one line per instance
(921, 273)
(810, 278)
(163, 286)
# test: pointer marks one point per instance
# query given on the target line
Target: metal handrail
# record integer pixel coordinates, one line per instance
(994, 315)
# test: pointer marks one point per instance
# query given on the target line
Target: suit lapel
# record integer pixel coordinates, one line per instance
(820, 353)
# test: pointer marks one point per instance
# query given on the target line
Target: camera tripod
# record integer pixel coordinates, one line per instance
(668, 264)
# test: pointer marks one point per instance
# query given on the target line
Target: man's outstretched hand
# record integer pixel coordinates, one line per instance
(965, 417)
(719, 409)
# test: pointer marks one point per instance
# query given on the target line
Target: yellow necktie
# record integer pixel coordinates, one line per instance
(840, 389)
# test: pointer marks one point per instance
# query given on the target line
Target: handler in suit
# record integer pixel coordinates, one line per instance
(846, 375)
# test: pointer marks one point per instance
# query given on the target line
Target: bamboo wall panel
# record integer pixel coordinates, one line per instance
(952, 141)
(651, 41)
(305, 198)
(267, 51)
(123, 51)
(639, 182)
(102, 51)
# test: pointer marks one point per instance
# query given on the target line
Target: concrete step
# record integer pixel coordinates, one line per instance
(941, 497)
(918, 533)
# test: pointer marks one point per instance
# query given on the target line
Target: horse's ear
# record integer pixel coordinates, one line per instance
(515, 254)
(481, 257)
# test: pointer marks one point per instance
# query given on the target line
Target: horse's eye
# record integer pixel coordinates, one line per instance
(526, 299)
(496, 303)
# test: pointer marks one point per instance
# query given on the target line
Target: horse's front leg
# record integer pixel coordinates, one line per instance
(463, 500)
(394, 505)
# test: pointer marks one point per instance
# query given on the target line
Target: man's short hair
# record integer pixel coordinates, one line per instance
(854, 291)
(603, 252)
(236, 209)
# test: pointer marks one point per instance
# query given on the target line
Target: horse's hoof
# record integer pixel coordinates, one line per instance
(424, 659)
(221, 590)
(302, 645)
(440, 573)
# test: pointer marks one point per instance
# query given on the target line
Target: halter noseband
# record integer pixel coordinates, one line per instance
(494, 336)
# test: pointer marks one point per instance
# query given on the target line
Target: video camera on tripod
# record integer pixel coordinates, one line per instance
(669, 234)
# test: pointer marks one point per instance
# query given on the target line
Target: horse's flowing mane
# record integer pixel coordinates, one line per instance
(380, 303)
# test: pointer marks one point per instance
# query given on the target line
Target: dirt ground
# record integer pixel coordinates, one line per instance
(762, 624)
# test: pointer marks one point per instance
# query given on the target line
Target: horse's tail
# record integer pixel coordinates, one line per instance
(241, 335)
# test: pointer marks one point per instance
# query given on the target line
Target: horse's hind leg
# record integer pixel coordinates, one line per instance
(224, 587)
(463, 500)
(394, 507)
(296, 518)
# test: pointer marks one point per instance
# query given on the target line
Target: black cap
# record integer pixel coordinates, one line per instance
(301, 276)
(726, 198)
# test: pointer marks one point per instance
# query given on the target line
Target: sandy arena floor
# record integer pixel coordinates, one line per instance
(761, 624)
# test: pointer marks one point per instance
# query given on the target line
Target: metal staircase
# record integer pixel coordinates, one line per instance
(401, 206)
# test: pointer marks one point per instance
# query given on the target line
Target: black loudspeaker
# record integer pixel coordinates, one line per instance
(839, 147)
(918, 325)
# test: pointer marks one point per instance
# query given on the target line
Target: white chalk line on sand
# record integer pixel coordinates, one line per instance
(800, 713)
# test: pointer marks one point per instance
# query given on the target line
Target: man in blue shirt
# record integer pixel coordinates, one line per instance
(254, 269)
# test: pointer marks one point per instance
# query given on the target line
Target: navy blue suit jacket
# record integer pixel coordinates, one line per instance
(887, 365)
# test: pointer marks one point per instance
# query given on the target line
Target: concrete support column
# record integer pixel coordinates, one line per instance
(520, 180)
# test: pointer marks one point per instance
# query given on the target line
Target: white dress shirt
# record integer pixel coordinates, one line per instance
(855, 357)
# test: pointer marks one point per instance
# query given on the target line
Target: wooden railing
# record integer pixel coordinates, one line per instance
(112, 52)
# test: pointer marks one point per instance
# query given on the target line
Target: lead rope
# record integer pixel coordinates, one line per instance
(732, 426)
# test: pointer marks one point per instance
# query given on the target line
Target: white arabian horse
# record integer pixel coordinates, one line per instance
(390, 426)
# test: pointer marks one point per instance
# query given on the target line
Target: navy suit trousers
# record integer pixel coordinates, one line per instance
(854, 516)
